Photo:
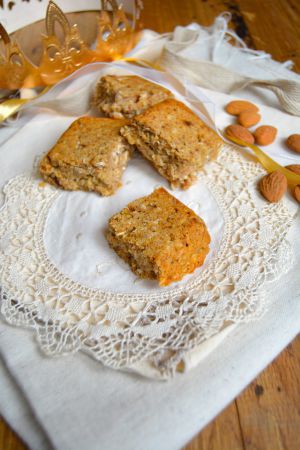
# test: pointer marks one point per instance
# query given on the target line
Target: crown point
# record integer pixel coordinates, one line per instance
(62, 56)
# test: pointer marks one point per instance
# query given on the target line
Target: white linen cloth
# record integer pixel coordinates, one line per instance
(76, 403)
(204, 56)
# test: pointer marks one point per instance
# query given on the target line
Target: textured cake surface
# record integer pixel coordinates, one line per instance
(127, 96)
(159, 237)
(174, 139)
(91, 155)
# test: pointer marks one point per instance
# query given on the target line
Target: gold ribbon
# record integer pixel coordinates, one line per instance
(268, 163)
(143, 63)
(10, 107)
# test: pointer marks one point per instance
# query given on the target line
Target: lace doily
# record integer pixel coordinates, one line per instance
(122, 330)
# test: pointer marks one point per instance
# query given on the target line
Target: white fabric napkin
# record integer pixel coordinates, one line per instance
(74, 402)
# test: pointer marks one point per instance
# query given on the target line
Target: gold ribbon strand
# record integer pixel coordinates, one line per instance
(10, 107)
(268, 163)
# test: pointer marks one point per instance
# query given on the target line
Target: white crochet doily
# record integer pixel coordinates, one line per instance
(125, 329)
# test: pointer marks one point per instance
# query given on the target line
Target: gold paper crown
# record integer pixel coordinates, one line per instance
(117, 34)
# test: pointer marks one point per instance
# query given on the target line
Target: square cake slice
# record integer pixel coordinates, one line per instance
(127, 96)
(174, 140)
(159, 237)
(90, 156)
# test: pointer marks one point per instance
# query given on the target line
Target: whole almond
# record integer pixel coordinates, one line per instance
(294, 168)
(248, 118)
(237, 106)
(293, 142)
(273, 186)
(240, 133)
(297, 193)
(265, 135)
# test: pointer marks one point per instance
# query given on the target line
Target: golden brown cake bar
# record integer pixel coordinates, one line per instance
(174, 140)
(159, 237)
(90, 156)
(127, 96)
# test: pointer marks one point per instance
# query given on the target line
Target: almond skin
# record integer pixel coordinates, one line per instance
(297, 193)
(239, 132)
(293, 142)
(294, 168)
(273, 186)
(265, 135)
(237, 106)
(248, 118)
